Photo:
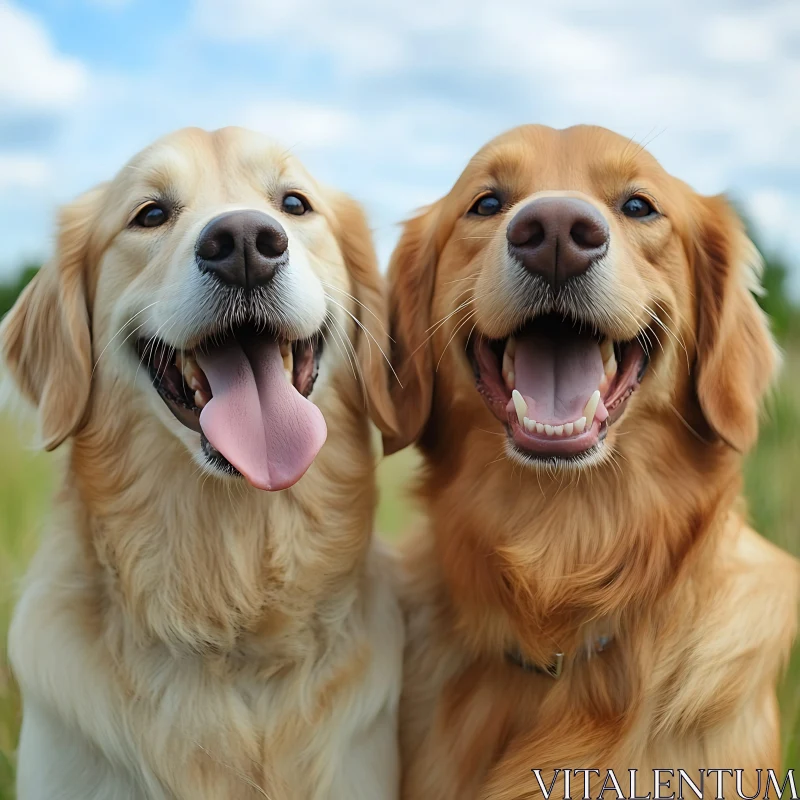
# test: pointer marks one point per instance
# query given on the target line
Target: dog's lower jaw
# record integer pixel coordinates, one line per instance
(587, 460)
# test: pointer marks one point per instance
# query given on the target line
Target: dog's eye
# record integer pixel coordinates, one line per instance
(486, 206)
(151, 216)
(295, 204)
(637, 206)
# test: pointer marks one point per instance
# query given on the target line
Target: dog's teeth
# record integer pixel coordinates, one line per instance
(609, 365)
(530, 424)
(519, 404)
(508, 362)
(201, 398)
(286, 349)
(193, 375)
(580, 424)
(568, 429)
(558, 430)
(591, 406)
(508, 371)
(548, 429)
(539, 427)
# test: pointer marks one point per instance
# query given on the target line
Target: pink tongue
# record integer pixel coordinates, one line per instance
(256, 418)
(558, 372)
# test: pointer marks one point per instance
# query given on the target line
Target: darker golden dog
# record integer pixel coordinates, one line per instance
(583, 363)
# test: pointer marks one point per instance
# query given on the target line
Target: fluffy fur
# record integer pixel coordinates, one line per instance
(181, 634)
(648, 546)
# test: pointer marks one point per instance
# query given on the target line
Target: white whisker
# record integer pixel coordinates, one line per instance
(356, 300)
(121, 328)
(367, 332)
(463, 322)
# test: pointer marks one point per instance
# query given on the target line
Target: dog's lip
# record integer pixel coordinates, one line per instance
(570, 447)
(485, 355)
(189, 417)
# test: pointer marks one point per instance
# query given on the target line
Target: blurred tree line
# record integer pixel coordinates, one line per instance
(11, 287)
(776, 300)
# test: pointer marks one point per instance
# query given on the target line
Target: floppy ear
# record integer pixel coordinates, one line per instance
(45, 337)
(412, 271)
(736, 354)
(372, 342)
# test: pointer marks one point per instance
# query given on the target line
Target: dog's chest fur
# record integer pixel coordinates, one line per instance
(235, 724)
(683, 684)
(214, 657)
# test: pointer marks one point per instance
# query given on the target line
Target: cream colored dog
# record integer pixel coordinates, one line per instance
(183, 634)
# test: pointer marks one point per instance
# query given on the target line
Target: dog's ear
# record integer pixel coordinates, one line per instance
(45, 338)
(736, 355)
(412, 273)
(371, 311)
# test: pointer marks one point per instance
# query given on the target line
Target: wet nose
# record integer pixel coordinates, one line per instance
(557, 237)
(242, 248)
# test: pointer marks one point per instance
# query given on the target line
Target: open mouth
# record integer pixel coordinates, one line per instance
(557, 385)
(246, 393)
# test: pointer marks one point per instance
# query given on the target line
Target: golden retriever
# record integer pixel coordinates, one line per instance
(583, 364)
(184, 633)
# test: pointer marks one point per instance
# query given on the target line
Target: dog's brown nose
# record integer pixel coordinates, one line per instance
(557, 237)
(242, 248)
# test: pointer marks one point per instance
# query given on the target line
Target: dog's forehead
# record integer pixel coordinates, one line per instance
(247, 151)
(562, 159)
(191, 158)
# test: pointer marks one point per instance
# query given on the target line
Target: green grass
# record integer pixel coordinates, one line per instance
(396, 513)
(772, 476)
(26, 484)
(26, 481)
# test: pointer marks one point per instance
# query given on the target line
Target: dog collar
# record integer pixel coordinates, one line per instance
(556, 665)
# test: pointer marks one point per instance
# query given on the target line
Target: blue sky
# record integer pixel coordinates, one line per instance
(389, 99)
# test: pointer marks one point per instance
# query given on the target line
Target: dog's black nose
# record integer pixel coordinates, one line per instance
(242, 248)
(557, 237)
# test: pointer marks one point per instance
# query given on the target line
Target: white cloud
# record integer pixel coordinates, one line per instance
(753, 37)
(737, 39)
(40, 90)
(294, 123)
(774, 212)
(362, 37)
(23, 172)
(32, 74)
